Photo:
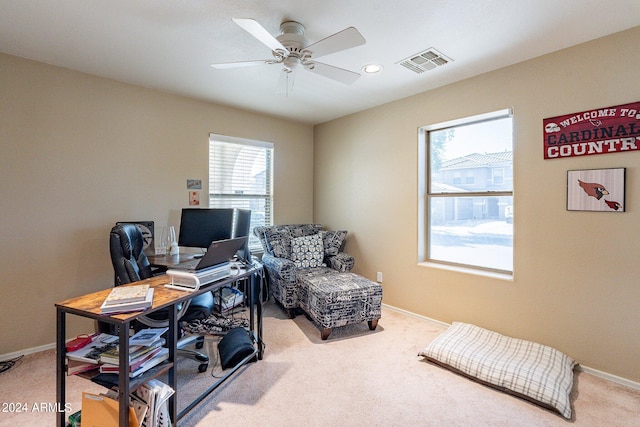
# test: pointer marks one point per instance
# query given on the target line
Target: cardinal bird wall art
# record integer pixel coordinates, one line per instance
(599, 190)
(593, 189)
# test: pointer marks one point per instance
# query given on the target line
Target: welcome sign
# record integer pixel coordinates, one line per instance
(601, 131)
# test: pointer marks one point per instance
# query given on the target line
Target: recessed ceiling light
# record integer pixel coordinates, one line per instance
(372, 69)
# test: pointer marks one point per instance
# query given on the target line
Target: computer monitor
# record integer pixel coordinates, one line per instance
(201, 226)
(242, 228)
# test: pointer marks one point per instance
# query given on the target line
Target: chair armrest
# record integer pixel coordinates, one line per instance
(280, 268)
(343, 262)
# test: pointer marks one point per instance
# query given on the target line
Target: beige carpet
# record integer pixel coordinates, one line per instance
(356, 378)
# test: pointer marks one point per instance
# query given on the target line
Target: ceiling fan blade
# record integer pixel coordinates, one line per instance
(256, 30)
(345, 39)
(339, 74)
(240, 64)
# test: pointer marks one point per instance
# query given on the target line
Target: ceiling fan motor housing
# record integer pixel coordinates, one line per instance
(292, 37)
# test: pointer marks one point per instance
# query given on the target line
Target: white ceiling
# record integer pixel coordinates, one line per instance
(170, 44)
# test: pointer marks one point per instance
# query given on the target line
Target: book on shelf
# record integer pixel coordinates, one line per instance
(77, 367)
(112, 355)
(128, 306)
(158, 357)
(135, 364)
(124, 294)
(147, 336)
(91, 353)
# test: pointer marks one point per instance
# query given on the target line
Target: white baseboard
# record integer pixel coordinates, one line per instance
(26, 351)
(610, 377)
(418, 316)
(595, 372)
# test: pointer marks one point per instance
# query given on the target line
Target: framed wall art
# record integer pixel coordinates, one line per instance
(600, 190)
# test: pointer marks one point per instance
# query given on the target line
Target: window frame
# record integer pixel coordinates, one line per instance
(214, 197)
(425, 197)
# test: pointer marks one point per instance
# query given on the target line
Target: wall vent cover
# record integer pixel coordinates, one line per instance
(425, 61)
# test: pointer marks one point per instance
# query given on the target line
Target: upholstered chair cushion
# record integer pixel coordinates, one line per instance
(333, 241)
(278, 237)
(278, 242)
(307, 251)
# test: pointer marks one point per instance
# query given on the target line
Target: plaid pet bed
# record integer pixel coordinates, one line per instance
(538, 373)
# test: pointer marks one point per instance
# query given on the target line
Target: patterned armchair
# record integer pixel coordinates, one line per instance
(293, 252)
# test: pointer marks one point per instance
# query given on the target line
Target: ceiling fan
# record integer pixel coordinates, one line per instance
(291, 50)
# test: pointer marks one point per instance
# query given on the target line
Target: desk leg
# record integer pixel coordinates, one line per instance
(249, 289)
(261, 278)
(172, 343)
(60, 366)
(123, 380)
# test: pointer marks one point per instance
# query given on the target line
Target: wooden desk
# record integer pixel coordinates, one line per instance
(89, 306)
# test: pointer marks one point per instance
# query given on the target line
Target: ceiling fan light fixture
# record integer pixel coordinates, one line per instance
(292, 62)
(372, 68)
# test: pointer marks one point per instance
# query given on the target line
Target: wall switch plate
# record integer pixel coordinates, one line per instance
(379, 277)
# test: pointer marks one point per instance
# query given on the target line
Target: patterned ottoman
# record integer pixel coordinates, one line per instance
(340, 299)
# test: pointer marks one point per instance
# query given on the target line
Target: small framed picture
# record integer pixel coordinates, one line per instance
(194, 184)
(600, 190)
(194, 198)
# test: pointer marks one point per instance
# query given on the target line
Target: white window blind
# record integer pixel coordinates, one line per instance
(241, 176)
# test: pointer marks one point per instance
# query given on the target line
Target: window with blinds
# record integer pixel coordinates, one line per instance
(466, 187)
(241, 176)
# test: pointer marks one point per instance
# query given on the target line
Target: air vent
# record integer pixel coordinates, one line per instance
(425, 61)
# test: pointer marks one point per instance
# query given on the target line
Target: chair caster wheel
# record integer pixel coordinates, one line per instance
(202, 358)
(203, 367)
(199, 345)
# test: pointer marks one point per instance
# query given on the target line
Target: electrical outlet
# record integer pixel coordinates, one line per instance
(379, 277)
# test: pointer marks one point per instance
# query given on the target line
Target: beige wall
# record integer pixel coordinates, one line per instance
(576, 283)
(78, 153)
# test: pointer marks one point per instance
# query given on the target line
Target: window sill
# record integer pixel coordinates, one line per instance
(475, 272)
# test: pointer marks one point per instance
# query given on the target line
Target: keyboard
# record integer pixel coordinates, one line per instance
(191, 265)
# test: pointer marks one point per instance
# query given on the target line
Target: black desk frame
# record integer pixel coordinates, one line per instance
(123, 323)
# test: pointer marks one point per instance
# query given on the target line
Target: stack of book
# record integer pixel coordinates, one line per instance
(87, 357)
(123, 299)
(145, 351)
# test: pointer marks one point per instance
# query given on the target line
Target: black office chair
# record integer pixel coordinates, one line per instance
(130, 264)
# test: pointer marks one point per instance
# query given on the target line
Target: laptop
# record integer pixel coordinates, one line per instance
(219, 252)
